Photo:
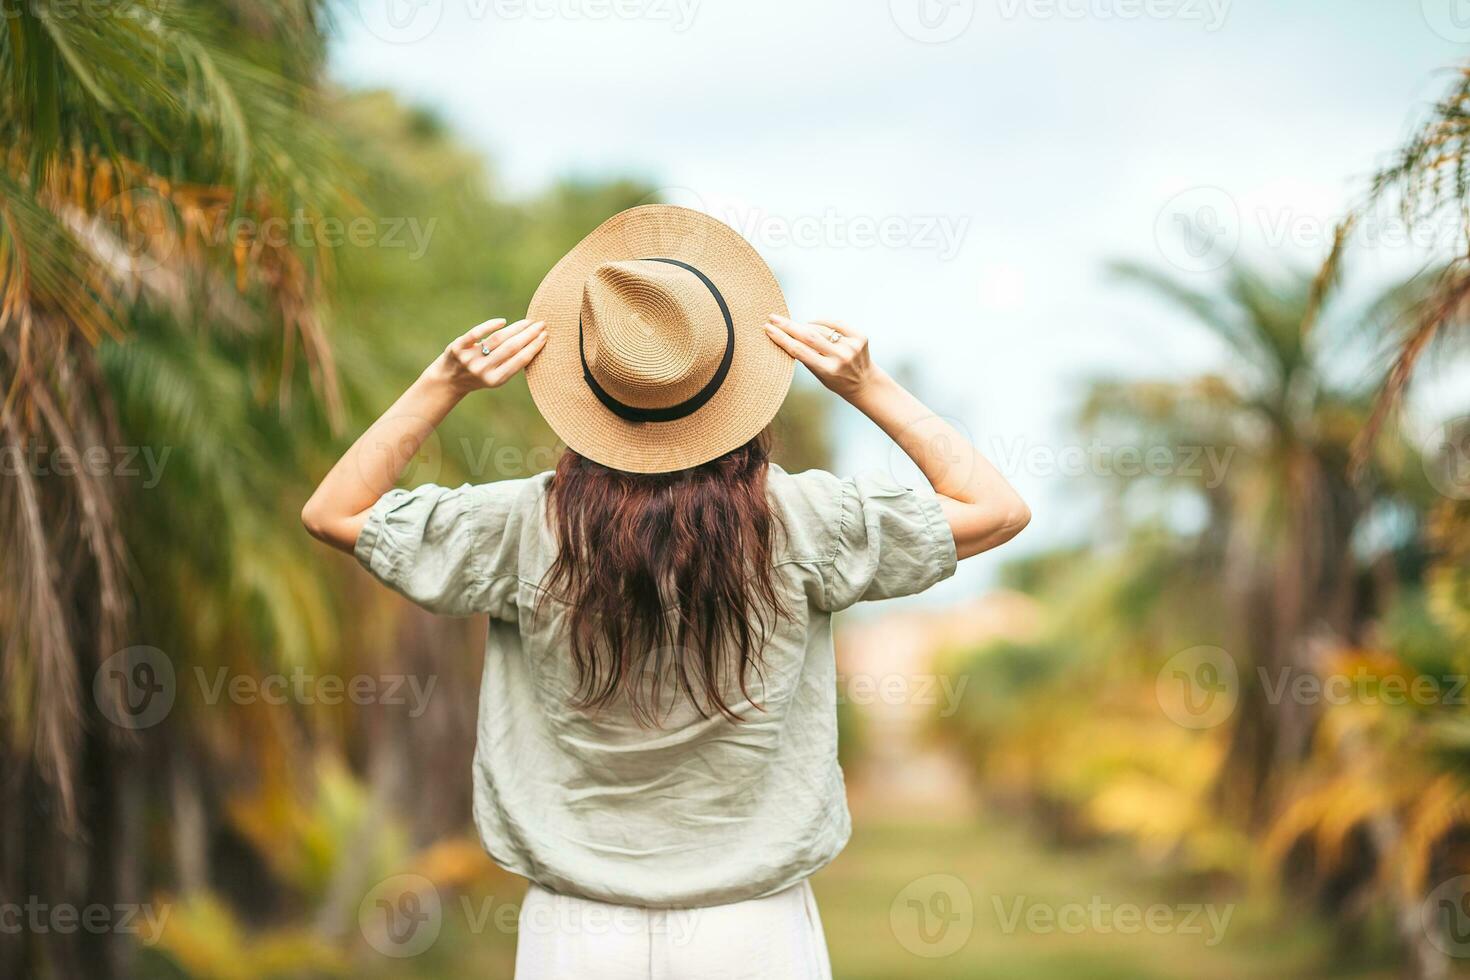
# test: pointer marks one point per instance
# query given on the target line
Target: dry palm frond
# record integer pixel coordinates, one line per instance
(1432, 170)
(1448, 302)
(1329, 276)
(1324, 814)
(1437, 810)
(1429, 182)
(37, 648)
(141, 152)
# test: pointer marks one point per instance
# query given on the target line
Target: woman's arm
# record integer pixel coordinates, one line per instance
(982, 508)
(338, 509)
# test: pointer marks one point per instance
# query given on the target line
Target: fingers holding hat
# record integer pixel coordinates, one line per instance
(791, 338)
(478, 334)
(843, 331)
(511, 348)
(835, 353)
(491, 353)
(822, 340)
(484, 344)
(460, 347)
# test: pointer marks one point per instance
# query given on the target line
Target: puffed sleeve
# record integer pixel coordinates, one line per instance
(452, 551)
(888, 541)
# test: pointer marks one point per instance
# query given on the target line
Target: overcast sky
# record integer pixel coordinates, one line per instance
(952, 175)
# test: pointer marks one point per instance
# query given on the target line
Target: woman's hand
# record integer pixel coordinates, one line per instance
(489, 355)
(486, 357)
(982, 508)
(834, 352)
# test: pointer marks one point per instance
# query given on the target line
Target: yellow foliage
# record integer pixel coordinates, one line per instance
(1442, 807)
(458, 862)
(306, 834)
(202, 936)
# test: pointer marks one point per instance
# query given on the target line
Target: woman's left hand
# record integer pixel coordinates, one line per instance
(489, 355)
(486, 357)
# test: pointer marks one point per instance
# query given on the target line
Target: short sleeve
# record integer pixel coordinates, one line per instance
(452, 551)
(890, 542)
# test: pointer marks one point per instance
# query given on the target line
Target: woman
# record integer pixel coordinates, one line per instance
(658, 713)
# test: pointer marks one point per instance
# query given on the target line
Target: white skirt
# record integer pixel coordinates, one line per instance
(778, 937)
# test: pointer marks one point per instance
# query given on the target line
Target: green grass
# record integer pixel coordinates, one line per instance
(865, 898)
(871, 907)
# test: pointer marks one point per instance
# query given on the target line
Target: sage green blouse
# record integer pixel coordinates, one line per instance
(698, 811)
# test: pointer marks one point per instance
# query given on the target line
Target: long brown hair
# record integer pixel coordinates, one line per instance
(665, 575)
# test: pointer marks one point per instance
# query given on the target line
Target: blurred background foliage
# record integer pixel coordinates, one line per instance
(176, 182)
(1325, 549)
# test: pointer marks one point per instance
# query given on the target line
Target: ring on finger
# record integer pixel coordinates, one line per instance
(834, 337)
(484, 348)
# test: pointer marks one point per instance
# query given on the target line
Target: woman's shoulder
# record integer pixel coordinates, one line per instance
(810, 505)
(497, 501)
(510, 491)
(809, 488)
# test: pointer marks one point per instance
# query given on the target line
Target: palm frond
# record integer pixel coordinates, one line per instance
(1205, 310)
(1428, 184)
(133, 139)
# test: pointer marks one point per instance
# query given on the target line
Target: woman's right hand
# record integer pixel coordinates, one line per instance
(489, 355)
(981, 507)
(842, 364)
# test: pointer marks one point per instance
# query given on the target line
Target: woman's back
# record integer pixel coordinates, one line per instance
(658, 723)
(690, 807)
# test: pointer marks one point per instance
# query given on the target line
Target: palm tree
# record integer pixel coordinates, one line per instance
(1427, 186)
(1281, 526)
(144, 146)
(1297, 575)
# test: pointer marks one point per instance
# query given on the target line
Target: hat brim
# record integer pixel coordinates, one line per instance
(747, 400)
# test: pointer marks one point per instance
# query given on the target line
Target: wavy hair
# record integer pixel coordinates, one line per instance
(666, 576)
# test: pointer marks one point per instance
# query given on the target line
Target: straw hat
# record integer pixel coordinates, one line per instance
(655, 357)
